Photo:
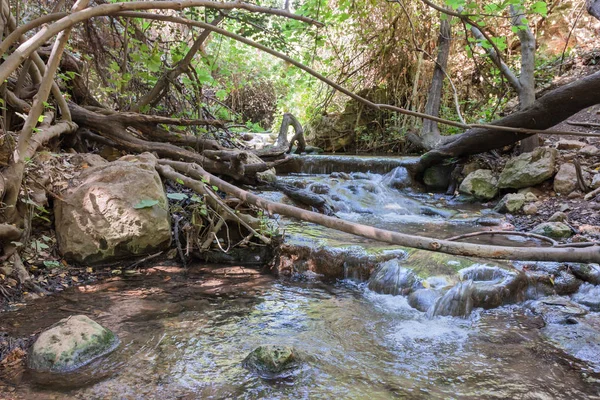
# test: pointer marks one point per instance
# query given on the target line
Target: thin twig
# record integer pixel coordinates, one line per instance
(504, 233)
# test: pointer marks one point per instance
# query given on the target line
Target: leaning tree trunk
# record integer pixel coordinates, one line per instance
(527, 78)
(430, 133)
(549, 110)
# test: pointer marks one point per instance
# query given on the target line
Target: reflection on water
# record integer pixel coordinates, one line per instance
(180, 342)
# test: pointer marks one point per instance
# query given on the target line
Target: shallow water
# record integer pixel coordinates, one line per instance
(185, 337)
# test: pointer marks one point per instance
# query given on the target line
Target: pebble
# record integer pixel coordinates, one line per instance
(558, 217)
(530, 209)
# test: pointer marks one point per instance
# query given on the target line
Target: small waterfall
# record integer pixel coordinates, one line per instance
(327, 164)
(457, 302)
(391, 278)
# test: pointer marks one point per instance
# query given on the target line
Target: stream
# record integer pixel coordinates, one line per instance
(185, 332)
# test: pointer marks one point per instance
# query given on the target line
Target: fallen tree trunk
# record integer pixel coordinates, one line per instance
(549, 110)
(586, 255)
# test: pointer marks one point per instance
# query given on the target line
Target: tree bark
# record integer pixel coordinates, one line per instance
(527, 78)
(549, 110)
(593, 8)
(430, 133)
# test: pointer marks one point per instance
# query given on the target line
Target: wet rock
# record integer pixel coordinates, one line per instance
(528, 169)
(423, 299)
(456, 302)
(555, 230)
(398, 178)
(557, 309)
(565, 144)
(113, 210)
(566, 283)
(482, 184)
(272, 361)
(586, 272)
(589, 151)
(493, 286)
(558, 217)
(438, 176)
(341, 175)
(391, 278)
(589, 296)
(570, 329)
(71, 343)
(511, 203)
(319, 188)
(565, 180)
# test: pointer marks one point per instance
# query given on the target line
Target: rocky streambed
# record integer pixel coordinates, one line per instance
(335, 316)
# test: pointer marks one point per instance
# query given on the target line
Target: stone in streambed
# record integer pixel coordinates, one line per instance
(272, 361)
(423, 299)
(71, 343)
(511, 203)
(391, 278)
(528, 169)
(481, 184)
(113, 210)
(555, 230)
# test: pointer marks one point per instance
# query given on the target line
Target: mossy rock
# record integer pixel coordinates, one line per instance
(556, 230)
(272, 361)
(71, 343)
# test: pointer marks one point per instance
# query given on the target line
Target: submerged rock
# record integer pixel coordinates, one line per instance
(586, 272)
(556, 230)
(116, 210)
(528, 169)
(391, 278)
(272, 361)
(570, 329)
(482, 184)
(71, 343)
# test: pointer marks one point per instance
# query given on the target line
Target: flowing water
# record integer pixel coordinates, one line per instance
(179, 341)
(184, 334)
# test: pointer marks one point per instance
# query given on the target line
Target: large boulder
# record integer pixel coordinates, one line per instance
(528, 169)
(481, 184)
(114, 210)
(71, 343)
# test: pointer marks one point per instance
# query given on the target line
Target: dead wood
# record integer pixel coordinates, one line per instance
(549, 110)
(588, 254)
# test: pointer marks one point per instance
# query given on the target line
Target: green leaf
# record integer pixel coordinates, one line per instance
(52, 264)
(179, 180)
(145, 204)
(216, 189)
(177, 196)
(540, 7)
